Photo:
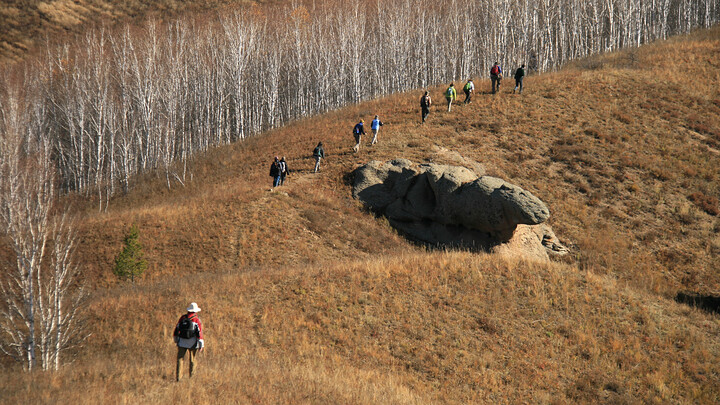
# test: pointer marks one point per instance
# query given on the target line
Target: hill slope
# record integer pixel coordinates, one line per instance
(26, 23)
(308, 298)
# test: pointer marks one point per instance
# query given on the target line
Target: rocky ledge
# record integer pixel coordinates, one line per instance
(452, 206)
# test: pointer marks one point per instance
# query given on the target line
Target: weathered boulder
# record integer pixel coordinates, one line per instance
(532, 241)
(446, 205)
(379, 183)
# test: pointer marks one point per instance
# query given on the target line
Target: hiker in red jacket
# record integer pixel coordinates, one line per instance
(495, 77)
(188, 336)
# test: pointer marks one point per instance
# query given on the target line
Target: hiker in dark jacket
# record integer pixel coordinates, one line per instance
(425, 103)
(519, 74)
(275, 171)
(318, 154)
(358, 132)
(284, 171)
(188, 336)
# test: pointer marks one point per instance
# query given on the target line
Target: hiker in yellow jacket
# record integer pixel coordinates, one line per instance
(450, 95)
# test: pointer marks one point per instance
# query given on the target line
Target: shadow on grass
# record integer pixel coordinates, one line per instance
(707, 303)
(349, 178)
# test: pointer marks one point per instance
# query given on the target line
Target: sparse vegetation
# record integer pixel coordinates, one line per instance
(308, 298)
(707, 203)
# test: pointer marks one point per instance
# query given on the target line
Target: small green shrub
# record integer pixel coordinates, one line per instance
(130, 263)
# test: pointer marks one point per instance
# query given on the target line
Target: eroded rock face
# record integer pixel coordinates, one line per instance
(532, 241)
(446, 205)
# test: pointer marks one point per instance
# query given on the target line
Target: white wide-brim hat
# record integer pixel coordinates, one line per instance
(193, 307)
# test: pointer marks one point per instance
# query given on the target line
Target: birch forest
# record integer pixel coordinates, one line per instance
(118, 102)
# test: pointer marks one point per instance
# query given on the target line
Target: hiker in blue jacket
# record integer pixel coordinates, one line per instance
(375, 127)
(358, 132)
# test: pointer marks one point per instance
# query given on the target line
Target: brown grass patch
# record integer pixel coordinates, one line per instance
(418, 328)
(707, 203)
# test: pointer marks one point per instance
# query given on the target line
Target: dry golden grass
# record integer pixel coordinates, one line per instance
(307, 298)
(413, 328)
(24, 24)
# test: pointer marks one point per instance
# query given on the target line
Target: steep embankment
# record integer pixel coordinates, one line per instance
(307, 298)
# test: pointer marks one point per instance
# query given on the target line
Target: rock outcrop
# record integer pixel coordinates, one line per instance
(447, 205)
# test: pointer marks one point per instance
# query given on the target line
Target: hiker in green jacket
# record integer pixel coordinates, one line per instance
(468, 89)
(450, 95)
(519, 74)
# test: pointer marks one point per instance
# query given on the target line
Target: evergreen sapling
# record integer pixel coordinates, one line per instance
(130, 263)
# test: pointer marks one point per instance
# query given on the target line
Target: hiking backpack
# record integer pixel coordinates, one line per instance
(187, 328)
(467, 86)
(495, 70)
(449, 92)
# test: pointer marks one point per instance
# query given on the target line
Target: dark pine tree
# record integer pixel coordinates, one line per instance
(130, 263)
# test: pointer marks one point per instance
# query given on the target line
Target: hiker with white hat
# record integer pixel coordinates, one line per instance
(188, 336)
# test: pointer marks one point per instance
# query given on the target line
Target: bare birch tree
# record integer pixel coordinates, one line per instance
(38, 310)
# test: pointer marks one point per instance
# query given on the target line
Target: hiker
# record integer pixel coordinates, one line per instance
(375, 127)
(284, 171)
(188, 336)
(495, 77)
(425, 103)
(450, 95)
(468, 89)
(275, 171)
(318, 154)
(358, 132)
(519, 74)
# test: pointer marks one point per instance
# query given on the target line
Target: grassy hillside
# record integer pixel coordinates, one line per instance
(308, 298)
(413, 328)
(27, 23)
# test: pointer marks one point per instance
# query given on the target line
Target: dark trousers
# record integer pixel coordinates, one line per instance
(468, 95)
(495, 81)
(425, 113)
(180, 356)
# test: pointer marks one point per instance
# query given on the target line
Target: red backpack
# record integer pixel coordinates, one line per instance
(495, 70)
